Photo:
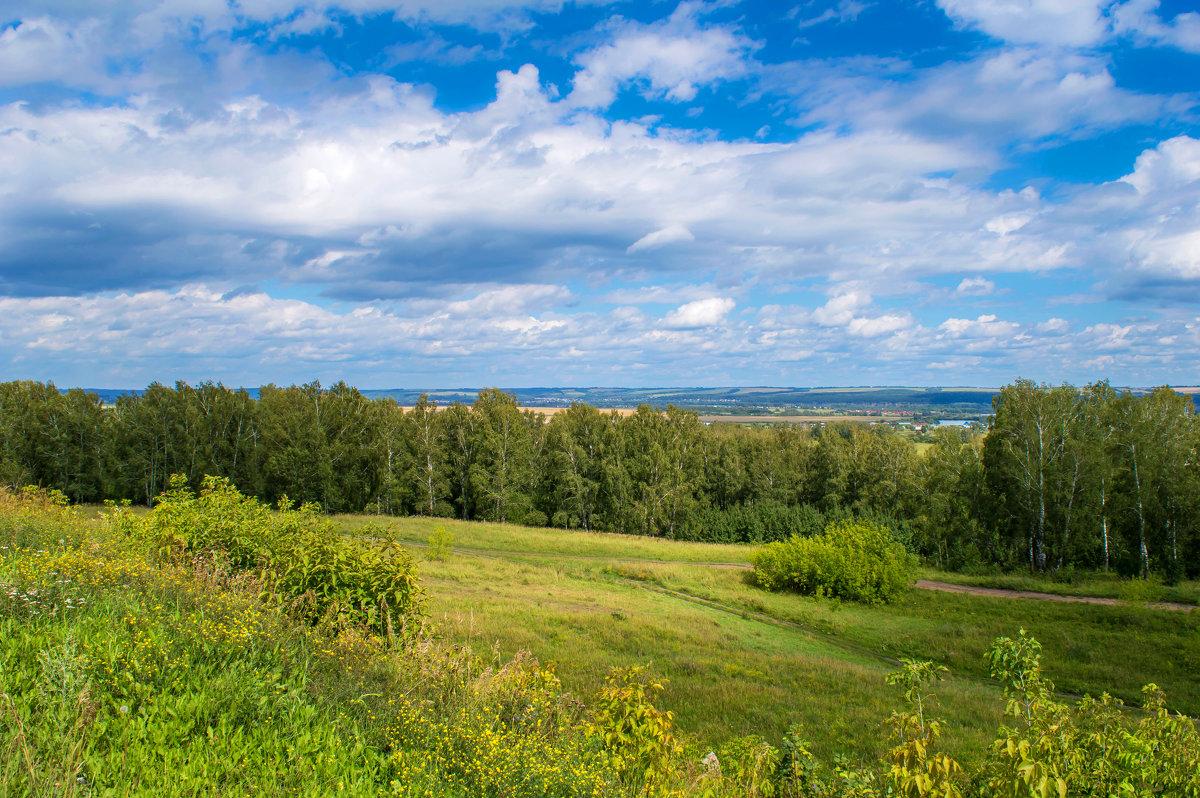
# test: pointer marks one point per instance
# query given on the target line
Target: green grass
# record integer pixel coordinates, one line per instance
(728, 675)
(1089, 648)
(735, 675)
(561, 543)
(155, 681)
(129, 671)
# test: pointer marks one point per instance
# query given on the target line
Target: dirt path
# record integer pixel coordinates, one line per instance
(1000, 592)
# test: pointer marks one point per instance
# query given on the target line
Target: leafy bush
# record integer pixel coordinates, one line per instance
(856, 560)
(295, 551)
(637, 736)
(1091, 749)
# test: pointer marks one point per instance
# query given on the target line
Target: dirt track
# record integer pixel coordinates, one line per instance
(998, 592)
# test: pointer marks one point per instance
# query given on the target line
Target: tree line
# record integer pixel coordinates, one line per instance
(1064, 477)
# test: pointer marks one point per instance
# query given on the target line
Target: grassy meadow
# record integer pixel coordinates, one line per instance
(742, 660)
(158, 654)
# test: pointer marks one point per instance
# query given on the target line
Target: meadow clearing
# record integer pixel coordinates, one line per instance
(742, 660)
(214, 646)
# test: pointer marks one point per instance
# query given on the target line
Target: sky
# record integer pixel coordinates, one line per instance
(434, 193)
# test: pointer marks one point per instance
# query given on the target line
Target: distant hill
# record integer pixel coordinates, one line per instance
(734, 400)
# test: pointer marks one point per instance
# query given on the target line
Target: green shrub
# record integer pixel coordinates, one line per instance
(1089, 749)
(637, 736)
(440, 542)
(856, 560)
(295, 551)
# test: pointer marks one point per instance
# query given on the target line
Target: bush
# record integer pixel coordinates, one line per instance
(856, 560)
(295, 551)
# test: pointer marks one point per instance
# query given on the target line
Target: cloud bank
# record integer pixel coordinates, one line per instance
(417, 193)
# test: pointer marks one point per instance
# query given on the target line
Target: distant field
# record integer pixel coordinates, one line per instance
(776, 418)
(554, 410)
(764, 418)
(741, 660)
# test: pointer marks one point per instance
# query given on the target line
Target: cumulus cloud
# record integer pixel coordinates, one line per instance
(146, 16)
(1063, 94)
(198, 178)
(1075, 23)
(879, 325)
(672, 59)
(840, 310)
(985, 327)
(1173, 163)
(497, 334)
(975, 286)
(513, 192)
(1054, 326)
(701, 313)
(1138, 19)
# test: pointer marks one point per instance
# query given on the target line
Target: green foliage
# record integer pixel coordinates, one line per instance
(1065, 477)
(856, 560)
(296, 552)
(1086, 750)
(799, 771)
(133, 676)
(440, 542)
(759, 523)
(636, 735)
(132, 662)
(1142, 591)
(917, 769)
(751, 762)
(493, 731)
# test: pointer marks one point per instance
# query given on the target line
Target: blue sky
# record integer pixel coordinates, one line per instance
(413, 193)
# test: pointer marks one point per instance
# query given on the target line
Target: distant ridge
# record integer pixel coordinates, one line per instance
(737, 399)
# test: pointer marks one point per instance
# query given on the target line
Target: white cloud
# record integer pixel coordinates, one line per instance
(846, 11)
(502, 335)
(1074, 23)
(879, 325)
(658, 294)
(667, 235)
(1054, 326)
(220, 15)
(1017, 92)
(701, 313)
(986, 326)
(507, 300)
(1003, 225)
(431, 226)
(672, 59)
(307, 22)
(1173, 163)
(1137, 18)
(44, 49)
(975, 286)
(841, 309)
